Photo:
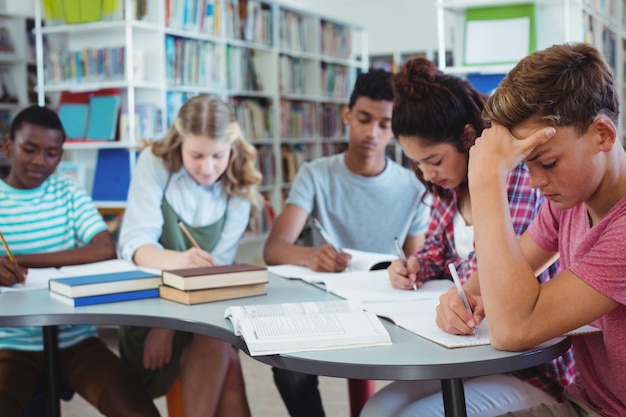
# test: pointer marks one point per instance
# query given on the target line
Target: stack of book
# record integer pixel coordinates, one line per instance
(105, 288)
(214, 283)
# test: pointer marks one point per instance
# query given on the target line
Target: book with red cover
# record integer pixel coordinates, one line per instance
(214, 276)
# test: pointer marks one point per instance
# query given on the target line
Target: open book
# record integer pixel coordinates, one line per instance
(361, 261)
(295, 327)
(419, 317)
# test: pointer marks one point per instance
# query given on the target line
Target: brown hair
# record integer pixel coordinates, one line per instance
(208, 115)
(563, 85)
(435, 107)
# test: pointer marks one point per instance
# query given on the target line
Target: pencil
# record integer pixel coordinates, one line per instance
(6, 248)
(186, 232)
(402, 256)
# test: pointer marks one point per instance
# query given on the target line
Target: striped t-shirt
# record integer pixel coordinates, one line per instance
(56, 216)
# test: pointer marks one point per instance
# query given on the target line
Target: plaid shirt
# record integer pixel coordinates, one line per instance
(439, 250)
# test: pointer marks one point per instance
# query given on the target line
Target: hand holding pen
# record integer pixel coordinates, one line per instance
(403, 271)
(461, 291)
(329, 257)
(10, 272)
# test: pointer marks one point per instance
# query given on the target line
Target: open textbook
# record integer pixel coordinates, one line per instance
(37, 278)
(361, 261)
(294, 327)
(419, 317)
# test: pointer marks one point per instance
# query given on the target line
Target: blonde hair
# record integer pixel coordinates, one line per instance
(208, 115)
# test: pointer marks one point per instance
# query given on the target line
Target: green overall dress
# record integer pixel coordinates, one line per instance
(131, 338)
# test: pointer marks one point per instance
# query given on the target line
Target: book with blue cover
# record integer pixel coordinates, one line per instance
(106, 298)
(110, 283)
(103, 116)
(74, 118)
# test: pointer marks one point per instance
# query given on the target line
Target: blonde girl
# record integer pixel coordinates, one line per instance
(200, 177)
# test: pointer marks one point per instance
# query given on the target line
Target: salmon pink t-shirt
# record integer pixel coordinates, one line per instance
(597, 255)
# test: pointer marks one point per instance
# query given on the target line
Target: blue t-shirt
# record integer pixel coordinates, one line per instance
(358, 212)
(56, 216)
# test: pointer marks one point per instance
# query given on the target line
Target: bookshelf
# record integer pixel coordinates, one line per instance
(599, 22)
(16, 69)
(286, 73)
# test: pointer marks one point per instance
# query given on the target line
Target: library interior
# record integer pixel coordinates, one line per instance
(117, 72)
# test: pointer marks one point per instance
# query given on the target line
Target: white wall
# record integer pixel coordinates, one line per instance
(392, 25)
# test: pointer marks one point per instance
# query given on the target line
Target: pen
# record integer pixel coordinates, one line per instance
(322, 232)
(6, 248)
(186, 232)
(459, 288)
(402, 256)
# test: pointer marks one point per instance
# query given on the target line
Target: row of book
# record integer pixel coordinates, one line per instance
(193, 15)
(193, 62)
(254, 117)
(243, 75)
(187, 286)
(89, 64)
(336, 40)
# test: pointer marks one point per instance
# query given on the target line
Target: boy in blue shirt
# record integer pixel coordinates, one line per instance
(48, 221)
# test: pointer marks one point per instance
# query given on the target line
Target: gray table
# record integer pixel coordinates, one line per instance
(410, 357)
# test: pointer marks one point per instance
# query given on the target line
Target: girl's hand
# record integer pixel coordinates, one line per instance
(11, 273)
(453, 317)
(157, 348)
(326, 259)
(404, 276)
(194, 257)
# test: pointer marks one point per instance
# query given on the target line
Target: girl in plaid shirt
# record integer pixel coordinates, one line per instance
(437, 118)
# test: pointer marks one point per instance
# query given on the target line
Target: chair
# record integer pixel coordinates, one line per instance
(359, 391)
(174, 399)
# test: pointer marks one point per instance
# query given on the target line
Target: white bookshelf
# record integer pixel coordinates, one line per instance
(599, 22)
(211, 59)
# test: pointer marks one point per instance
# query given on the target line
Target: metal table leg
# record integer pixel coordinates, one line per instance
(453, 397)
(51, 347)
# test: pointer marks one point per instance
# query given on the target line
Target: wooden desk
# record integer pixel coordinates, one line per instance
(409, 358)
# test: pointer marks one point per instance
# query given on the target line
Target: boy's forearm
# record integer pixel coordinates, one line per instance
(279, 252)
(507, 283)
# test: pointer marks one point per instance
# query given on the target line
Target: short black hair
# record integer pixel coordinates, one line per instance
(38, 116)
(374, 84)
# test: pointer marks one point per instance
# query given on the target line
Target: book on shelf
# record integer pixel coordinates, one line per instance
(106, 298)
(112, 175)
(103, 117)
(296, 327)
(214, 276)
(108, 283)
(74, 117)
(211, 294)
(73, 169)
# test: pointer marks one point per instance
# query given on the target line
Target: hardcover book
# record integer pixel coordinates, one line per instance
(115, 282)
(214, 276)
(295, 327)
(211, 294)
(106, 298)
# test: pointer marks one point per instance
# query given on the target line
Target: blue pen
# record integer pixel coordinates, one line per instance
(403, 257)
(459, 288)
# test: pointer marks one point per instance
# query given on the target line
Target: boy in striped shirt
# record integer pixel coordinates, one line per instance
(49, 221)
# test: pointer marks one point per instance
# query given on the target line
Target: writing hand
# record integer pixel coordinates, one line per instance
(402, 276)
(11, 273)
(194, 257)
(326, 259)
(157, 348)
(453, 317)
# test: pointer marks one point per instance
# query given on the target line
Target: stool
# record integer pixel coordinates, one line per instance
(174, 399)
(359, 391)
